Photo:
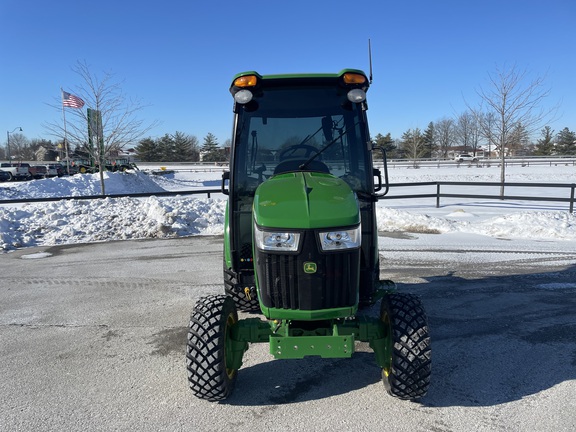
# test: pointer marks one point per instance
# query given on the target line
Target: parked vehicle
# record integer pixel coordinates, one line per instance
(120, 165)
(72, 169)
(465, 157)
(38, 171)
(60, 169)
(16, 170)
(83, 166)
(68, 167)
(52, 170)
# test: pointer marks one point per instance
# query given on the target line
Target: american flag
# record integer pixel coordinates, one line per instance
(69, 100)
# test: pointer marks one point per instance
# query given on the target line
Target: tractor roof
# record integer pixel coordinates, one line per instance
(302, 78)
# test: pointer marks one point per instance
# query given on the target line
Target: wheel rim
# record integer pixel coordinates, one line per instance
(386, 370)
(230, 321)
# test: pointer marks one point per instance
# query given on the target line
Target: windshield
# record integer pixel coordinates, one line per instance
(288, 129)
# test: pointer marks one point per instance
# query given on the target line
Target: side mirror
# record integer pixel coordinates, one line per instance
(224, 185)
(377, 173)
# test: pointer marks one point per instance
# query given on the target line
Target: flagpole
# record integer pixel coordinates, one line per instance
(65, 133)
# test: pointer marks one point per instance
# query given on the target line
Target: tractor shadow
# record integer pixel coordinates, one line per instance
(495, 340)
(500, 338)
(279, 382)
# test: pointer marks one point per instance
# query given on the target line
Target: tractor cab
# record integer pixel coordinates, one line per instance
(287, 124)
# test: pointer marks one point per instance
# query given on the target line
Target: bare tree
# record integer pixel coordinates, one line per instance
(113, 114)
(444, 131)
(509, 102)
(19, 146)
(486, 124)
(413, 145)
(467, 131)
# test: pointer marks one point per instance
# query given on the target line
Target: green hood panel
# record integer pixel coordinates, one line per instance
(305, 200)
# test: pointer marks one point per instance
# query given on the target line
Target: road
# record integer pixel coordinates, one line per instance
(92, 338)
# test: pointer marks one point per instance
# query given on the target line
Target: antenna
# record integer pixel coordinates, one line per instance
(370, 59)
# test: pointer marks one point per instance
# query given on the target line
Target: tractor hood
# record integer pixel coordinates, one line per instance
(305, 200)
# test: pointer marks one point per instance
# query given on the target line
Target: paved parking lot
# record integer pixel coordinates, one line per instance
(92, 338)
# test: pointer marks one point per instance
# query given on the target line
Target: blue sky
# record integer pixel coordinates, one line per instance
(179, 57)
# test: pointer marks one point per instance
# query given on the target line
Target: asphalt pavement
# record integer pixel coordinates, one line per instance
(92, 338)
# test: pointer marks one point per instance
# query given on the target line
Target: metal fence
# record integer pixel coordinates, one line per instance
(438, 194)
(480, 163)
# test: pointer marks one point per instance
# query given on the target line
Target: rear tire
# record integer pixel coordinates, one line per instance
(208, 334)
(408, 374)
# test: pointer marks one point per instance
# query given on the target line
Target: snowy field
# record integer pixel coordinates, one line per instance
(456, 221)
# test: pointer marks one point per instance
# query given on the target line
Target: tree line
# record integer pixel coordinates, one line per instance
(176, 147)
(446, 136)
(438, 140)
(180, 147)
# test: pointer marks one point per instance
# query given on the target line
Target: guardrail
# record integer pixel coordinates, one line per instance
(439, 194)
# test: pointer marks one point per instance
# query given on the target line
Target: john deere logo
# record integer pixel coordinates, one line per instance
(310, 267)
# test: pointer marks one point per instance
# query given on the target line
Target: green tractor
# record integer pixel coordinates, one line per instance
(301, 241)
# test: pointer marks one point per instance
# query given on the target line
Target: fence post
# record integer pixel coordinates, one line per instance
(572, 198)
(437, 195)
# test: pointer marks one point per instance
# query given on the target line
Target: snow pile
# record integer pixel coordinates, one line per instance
(80, 185)
(534, 225)
(530, 225)
(84, 221)
(389, 219)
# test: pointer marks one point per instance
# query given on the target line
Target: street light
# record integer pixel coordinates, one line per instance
(8, 141)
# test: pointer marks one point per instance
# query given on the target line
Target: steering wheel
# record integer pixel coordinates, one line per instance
(308, 150)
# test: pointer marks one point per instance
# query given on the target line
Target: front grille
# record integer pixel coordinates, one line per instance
(283, 284)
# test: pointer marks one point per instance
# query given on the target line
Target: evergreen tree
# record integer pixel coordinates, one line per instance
(147, 150)
(429, 141)
(566, 142)
(545, 145)
(518, 140)
(166, 148)
(387, 143)
(210, 151)
(185, 147)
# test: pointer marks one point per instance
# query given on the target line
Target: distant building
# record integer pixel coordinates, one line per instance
(46, 154)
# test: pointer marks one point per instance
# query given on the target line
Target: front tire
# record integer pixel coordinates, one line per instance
(208, 335)
(408, 374)
(246, 300)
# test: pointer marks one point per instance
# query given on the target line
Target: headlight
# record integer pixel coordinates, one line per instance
(279, 241)
(340, 239)
(356, 95)
(243, 96)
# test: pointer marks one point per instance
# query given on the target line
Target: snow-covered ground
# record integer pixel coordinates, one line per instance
(84, 221)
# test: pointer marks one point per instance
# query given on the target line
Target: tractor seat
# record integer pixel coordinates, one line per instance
(294, 165)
